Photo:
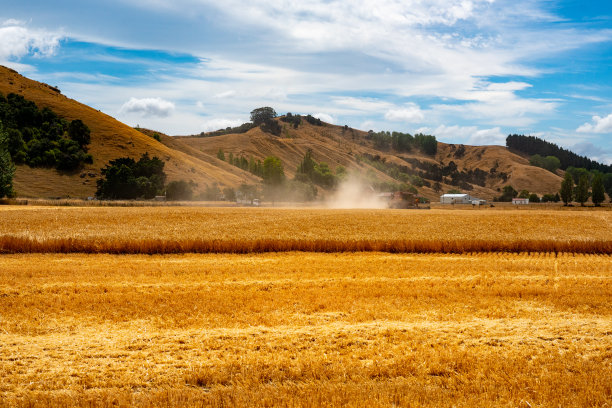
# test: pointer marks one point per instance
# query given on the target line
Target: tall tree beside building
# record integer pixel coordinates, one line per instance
(567, 188)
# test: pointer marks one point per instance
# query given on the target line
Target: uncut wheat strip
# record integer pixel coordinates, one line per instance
(16, 244)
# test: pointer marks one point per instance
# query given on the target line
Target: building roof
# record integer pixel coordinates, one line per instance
(455, 195)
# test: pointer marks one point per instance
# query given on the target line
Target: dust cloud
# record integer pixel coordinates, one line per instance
(355, 193)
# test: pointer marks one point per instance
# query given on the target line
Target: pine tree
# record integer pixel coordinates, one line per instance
(567, 188)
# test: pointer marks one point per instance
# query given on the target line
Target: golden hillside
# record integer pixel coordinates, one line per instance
(110, 139)
(337, 145)
(194, 158)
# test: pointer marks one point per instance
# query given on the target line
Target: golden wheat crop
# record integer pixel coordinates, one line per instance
(306, 329)
(246, 230)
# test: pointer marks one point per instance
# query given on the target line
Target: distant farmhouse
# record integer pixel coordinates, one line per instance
(460, 199)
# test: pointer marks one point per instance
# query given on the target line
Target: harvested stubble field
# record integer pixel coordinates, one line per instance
(303, 328)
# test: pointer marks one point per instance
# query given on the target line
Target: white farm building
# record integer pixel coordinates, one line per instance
(460, 199)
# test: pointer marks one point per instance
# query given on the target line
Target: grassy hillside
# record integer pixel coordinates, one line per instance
(110, 139)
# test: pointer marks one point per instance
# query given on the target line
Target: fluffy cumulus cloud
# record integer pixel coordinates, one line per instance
(410, 113)
(148, 107)
(598, 125)
(325, 117)
(17, 41)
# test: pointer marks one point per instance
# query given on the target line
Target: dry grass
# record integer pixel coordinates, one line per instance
(247, 230)
(305, 329)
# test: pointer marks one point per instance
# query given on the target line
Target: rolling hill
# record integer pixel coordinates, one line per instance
(482, 170)
(110, 139)
(337, 145)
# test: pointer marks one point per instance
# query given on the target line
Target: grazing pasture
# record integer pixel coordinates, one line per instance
(98, 327)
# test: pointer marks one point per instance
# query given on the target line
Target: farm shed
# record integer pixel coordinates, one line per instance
(520, 201)
(455, 199)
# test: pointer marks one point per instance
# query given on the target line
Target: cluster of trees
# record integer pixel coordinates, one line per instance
(404, 142)
(41, 138)
(245, 127)
(125, 178)
(264, 118)
(180, 190)
(580, 192)
(402, 174)
(550, 163)
(252, 165)
(532, 145)
(275, 184)
(508, 193)
(578, 173)
(292, 119)
(309, 171)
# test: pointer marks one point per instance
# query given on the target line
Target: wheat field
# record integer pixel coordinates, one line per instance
(308, 329)
(156, 230)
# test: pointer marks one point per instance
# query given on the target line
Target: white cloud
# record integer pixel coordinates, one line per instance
(492, 136)
(410, 113)
(467, 134)
(147, 107)
(362, 104)
(220, 123)
(325, 117)
(17, 41)
(226, 94)
(599, 125)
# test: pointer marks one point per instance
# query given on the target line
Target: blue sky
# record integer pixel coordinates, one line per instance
(468, 71)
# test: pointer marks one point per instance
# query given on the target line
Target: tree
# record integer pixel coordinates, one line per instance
(551, 163)
(523, 194)
(273, 173)
(273, 177)
(598, 190)
(508, 193)
(582, 190)
(307, 165)
(437, 187)
(179, 190)
(229, 194)
(262, 115)
(607, 182)
(79, 132)
(7, 168)
(533, 198)
(221, 155)
(567, 188)
(125, 178)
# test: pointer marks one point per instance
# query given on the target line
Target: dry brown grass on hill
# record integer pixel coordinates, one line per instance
(110, 139)
(241, 230)
(299, 329)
